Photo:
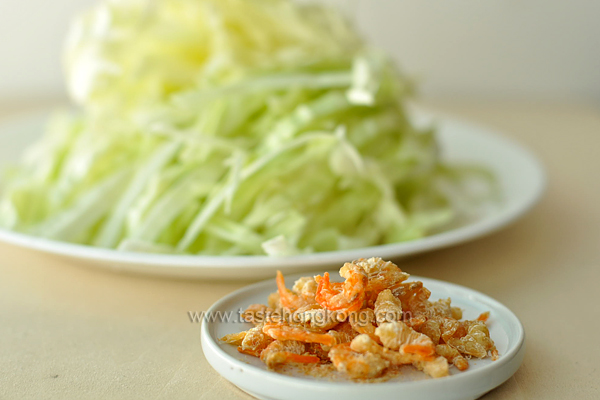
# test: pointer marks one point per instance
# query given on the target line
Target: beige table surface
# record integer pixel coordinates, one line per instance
(69, 331)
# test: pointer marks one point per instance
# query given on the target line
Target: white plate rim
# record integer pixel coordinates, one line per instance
(160, 263)
(214, 353)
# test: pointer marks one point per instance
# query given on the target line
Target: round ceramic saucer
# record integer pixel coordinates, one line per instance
(252, 376)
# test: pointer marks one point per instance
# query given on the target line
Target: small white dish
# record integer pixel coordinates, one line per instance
(521, 178)
(252, 376)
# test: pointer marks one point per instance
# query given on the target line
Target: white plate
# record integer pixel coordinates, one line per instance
(521, 178)
(252, 376)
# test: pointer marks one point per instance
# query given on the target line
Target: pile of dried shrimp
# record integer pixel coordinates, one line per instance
(367, 325)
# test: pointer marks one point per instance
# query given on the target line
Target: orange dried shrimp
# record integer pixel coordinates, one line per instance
(372, 321)
(347, 296)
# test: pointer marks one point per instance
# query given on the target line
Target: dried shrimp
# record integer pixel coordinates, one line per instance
(363, 327)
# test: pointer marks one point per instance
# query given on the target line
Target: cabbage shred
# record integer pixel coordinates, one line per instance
(230, 127)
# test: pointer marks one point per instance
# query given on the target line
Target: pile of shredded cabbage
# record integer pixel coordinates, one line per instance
(230, 127)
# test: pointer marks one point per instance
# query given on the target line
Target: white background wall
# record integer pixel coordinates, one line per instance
(525, 49)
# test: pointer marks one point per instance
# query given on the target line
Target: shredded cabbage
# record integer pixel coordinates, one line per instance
(231, 127)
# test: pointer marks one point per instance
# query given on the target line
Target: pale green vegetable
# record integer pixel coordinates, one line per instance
(231, 127)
